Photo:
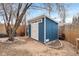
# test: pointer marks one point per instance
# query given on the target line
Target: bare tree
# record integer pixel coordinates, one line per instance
(75, 22)
(48, 7)
(62, 14)
(75, 19)
(9, 12)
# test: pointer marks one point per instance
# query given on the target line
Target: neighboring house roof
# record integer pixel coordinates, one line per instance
(40, 17)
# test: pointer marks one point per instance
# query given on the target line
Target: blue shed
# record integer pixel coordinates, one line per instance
(43, 29)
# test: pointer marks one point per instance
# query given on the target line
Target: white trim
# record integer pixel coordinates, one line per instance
(44, 29)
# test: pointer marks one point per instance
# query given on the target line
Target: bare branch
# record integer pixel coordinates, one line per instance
(21, 16)
(10, 14)
(61, 11)
(19, 7)
(4, 11)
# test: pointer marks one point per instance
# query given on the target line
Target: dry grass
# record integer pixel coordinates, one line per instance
(6, 49)
(29, 47)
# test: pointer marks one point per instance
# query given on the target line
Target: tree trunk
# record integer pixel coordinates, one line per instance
(11, 37)
(11, 34)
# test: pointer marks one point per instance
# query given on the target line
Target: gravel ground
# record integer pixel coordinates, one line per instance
(28, 47)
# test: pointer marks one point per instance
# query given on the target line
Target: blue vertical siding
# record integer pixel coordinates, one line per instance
(51, 30)
(41, 31)
(29, 30)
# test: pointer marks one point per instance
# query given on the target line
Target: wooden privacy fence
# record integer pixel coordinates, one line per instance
(72, 32)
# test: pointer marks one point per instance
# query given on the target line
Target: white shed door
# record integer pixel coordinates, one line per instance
(34, 30)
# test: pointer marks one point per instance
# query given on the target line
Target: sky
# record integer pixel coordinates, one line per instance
(72, 10)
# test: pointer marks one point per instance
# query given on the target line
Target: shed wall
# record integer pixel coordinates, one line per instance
(51, 30)
(41, 31)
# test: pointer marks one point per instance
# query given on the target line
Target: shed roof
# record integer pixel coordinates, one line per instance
(40, 17)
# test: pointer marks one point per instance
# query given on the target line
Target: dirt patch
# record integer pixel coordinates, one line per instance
(27, 46)
(32, 46)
